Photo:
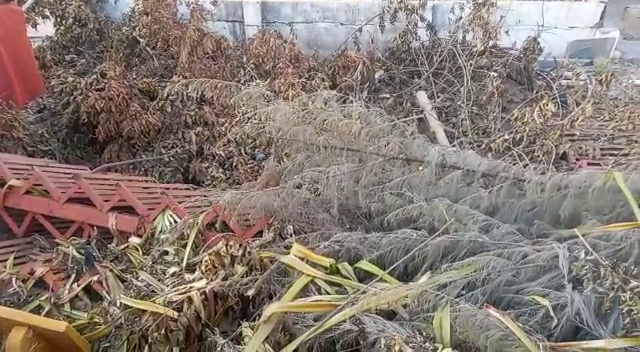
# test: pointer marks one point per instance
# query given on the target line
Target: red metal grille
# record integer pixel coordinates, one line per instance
(69, 200)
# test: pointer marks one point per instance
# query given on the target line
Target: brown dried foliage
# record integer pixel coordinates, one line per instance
(117, 97)
(146, 86)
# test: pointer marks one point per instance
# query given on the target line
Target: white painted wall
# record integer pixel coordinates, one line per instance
(324, 25)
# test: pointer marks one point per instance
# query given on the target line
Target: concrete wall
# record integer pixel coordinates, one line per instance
(323, 25)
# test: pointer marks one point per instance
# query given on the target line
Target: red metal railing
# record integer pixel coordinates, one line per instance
(69, 200)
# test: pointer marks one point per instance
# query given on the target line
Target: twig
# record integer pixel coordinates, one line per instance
(352, 34)
(28, 4)
(132, 161)
(432, 119)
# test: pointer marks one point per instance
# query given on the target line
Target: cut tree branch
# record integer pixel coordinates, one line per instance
(432, 118)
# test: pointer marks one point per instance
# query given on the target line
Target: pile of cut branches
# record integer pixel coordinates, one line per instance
(382, 241)
(145, 87)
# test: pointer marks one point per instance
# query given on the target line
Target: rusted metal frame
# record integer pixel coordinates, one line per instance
(90, 192)
(53, 275)
(34, 176)
(47, 225)
(112, 202)
(135, 203)
(176, 208)
(25, 223)
(54, 231)
(12, 224)
(118, 177)
(121, 193)
(19, 231)
(23, 160)
(87, 231)
(228, 219)
(166, 203)
(54, 281)
(255, 229)
(127, 196)
(6, 173)
(70, 193)
(21, 256)
(48, 276)
(26, 269)
(26, 184)
(15, 242)
(69, 211)
(48, 185)
(218, 212)
(22, 229)
(211, 238)
(86, 184)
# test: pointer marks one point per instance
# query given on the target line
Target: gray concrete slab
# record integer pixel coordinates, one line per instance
(629, 47)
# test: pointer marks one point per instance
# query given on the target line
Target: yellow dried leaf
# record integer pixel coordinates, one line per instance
(377, 272)
(299, 307)
(193, 232)
(66, 298)
(10, 262)
(627, 193)
(148, 306)
(325, 286)
(442, 326)
(198, 304)
(99, 333)
(305, 253)
(367, 303)
(113, 285)
(607, 344)
(621, 226)
(269, 323)
(513, 326)
(304, 268)
(347, 271)
(545, 302)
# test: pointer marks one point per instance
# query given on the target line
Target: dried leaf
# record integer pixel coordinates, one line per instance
(627, 193)
(305, 253)
(607, 344)
(99, 333)
(366, 304)
(442, 326)
(378, 299)
(193, 232)
(377, 272)
(148, 306)
(299, 307)
(268, 324)
(545, 302)
(513, 326)
(304, 268)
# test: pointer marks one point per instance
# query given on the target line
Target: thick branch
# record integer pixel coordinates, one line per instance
(432, 118)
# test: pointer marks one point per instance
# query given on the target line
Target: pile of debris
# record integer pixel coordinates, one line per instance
(383, 238)
(151, 86)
